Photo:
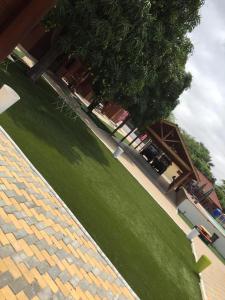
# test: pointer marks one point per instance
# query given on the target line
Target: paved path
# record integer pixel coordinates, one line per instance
(45, 253)
(213, 278)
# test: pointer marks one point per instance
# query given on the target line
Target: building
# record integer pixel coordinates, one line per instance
(211, 202)
(167, 137)
(17, 19)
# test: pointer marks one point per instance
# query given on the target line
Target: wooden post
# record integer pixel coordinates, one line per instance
(132, 130)
(179, 181)
(121, 125)
(134, 140)
(22, 24)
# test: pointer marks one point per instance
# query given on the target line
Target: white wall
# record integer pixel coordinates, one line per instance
(196, 217)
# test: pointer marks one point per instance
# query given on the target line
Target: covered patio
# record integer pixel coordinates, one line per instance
(167, 137)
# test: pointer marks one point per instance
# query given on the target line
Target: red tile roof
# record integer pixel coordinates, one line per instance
(213, 196)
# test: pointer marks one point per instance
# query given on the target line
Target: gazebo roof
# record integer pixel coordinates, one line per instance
(168, 136)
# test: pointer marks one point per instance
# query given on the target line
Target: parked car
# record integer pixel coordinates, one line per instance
(160, 164)
(150, 152)
(204, 234)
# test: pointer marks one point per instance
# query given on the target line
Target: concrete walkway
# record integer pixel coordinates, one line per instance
(213, 278)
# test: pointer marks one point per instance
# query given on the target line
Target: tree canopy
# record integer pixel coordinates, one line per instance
(130, 46)
(220, 191)
(200, 155)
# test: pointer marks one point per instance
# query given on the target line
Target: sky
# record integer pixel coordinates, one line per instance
(201, 111)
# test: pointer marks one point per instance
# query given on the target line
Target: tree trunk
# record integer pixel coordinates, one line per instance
(44, 63)
(121, 125)
(93, 105)
(132, 130)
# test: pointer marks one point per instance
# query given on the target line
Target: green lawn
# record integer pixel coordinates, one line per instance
(146, 246)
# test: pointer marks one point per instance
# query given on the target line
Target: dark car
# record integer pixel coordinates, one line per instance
(150, 152)
(160, 164)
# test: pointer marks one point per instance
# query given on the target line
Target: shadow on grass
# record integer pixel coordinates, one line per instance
(36, 113)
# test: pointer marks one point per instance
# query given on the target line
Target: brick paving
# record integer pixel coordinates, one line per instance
(45, 253)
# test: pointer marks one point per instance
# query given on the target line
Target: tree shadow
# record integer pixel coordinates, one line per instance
(37, 114)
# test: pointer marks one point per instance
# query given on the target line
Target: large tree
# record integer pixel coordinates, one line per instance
(125, 43)
(220, 191)
(200, 155)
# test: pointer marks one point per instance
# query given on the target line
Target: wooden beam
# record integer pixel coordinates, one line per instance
(169, 151)
(172, 141)
(168, 134)
(161, 129)
(179, 181)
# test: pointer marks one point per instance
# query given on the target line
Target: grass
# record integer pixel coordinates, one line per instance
(145, 245)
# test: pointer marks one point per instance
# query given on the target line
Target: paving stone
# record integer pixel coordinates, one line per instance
(8, 227)
(70, 259)
(84, 284)
(41, 225)
(39, 196)
(49, 230)
(62, 254)
(31, 262)
(3, 163)
(59, 296)
(45, 294)
(5, 279)
(20, 199)
(20, 214)
(75, 244)
(31, 239)
(74, 281)
(87, 267)
(19, 234)
(96, 271)
(101, 293)
(10, 193)
(31, 220)
(9, 209)
(42, 244)
(30, 204)
(43, 267)
(21, 185)
(4, 175)
(58, 236)
(2, 203)
(110, 295)
(64, 276)
(54, 272)
(32, 289)
(3, 187)
(19, 257)
(6, 251)
(92, 289)
(18, 285)
(51, 250)
(11, 179)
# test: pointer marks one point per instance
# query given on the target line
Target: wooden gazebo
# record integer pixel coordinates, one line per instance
(166, 135)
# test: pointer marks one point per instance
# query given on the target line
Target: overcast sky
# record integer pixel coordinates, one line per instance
(202, 109)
